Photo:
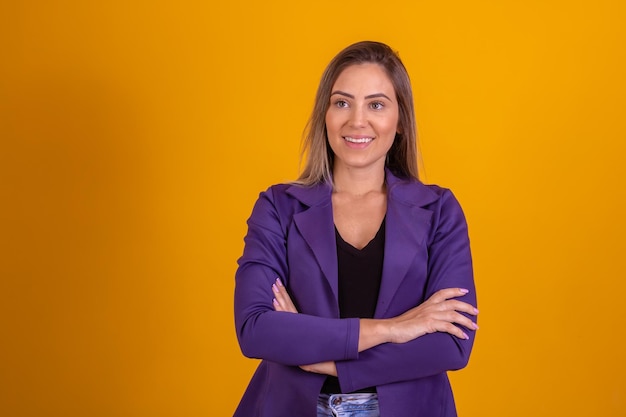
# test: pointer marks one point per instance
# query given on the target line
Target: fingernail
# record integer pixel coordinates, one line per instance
(275, 302)
(279, 282)
(275, 288)
(476, 326)
(463, 290)
(475, 310)
(465, 336)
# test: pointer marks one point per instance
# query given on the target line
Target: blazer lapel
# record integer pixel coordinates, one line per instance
(406, 228)
(317, 228)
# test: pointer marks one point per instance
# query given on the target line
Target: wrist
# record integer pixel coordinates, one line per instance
(373, 332)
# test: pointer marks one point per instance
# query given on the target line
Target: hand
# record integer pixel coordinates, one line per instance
(282, 300)
(324, 368)
(437, 314)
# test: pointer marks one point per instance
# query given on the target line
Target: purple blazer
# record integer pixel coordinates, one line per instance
(291, 235)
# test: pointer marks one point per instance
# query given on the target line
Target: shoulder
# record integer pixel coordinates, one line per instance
(276, 191)
(293, 193)
(439, 201)
(413, 192)
(284, 200)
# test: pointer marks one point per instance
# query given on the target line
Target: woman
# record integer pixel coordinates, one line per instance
(355, 286)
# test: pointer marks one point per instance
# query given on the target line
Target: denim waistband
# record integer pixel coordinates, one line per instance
(357, 404)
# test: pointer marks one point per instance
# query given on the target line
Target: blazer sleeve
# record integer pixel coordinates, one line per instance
(449, 265)
(287, 338)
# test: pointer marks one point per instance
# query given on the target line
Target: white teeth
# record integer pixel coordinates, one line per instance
(361, 140)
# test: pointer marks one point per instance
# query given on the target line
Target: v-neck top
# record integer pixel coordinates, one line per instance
(360, 272)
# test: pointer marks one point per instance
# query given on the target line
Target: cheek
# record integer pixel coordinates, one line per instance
(394, 125)
(328, 121)
(391, 128)
(332, 126)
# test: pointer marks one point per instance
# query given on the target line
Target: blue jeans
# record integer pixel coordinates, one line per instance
(348, 405)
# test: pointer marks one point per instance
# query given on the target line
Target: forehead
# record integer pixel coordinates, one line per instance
(364, 77)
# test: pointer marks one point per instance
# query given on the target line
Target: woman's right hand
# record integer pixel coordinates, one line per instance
(437, 314)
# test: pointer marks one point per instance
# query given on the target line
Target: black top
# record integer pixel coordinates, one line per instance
(360, 272)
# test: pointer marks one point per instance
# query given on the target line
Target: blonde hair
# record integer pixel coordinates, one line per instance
(402, 157)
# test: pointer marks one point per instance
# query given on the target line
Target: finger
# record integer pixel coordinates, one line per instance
(447, 293)
(450, 328)
(465, 322)
(458, 306)
(279, 299)
(277, 306)
(282, 297)
(455, 317)
(288, 302)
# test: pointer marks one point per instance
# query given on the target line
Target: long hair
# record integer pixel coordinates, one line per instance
(402, 157)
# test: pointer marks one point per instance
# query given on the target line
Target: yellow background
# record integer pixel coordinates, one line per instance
(135, 137)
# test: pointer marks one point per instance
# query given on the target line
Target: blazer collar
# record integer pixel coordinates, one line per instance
(318, 194)
(407, 225)
(408, 191)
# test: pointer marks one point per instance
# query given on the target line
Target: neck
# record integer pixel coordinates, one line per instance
(358, 182)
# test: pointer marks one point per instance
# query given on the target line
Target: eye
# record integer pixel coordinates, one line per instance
(341, 103)
(377, 105)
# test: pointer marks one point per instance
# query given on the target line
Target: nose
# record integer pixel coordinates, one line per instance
(358, 117)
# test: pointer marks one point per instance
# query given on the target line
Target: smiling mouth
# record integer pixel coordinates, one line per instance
(357, 140)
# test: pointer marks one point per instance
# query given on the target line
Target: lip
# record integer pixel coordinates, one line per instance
(358, 139)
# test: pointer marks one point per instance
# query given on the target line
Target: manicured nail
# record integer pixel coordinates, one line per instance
(465, 336)
(275, 302)
(275, 288)
(476, 326)
(475, 310)
(279, 282)
(463, 290)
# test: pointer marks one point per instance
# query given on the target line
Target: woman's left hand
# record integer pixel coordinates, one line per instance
(282, 302)
(325, 368)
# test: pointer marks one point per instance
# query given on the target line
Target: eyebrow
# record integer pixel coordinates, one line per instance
(343, 93)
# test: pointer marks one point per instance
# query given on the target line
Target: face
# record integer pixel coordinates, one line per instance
(362, 120)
